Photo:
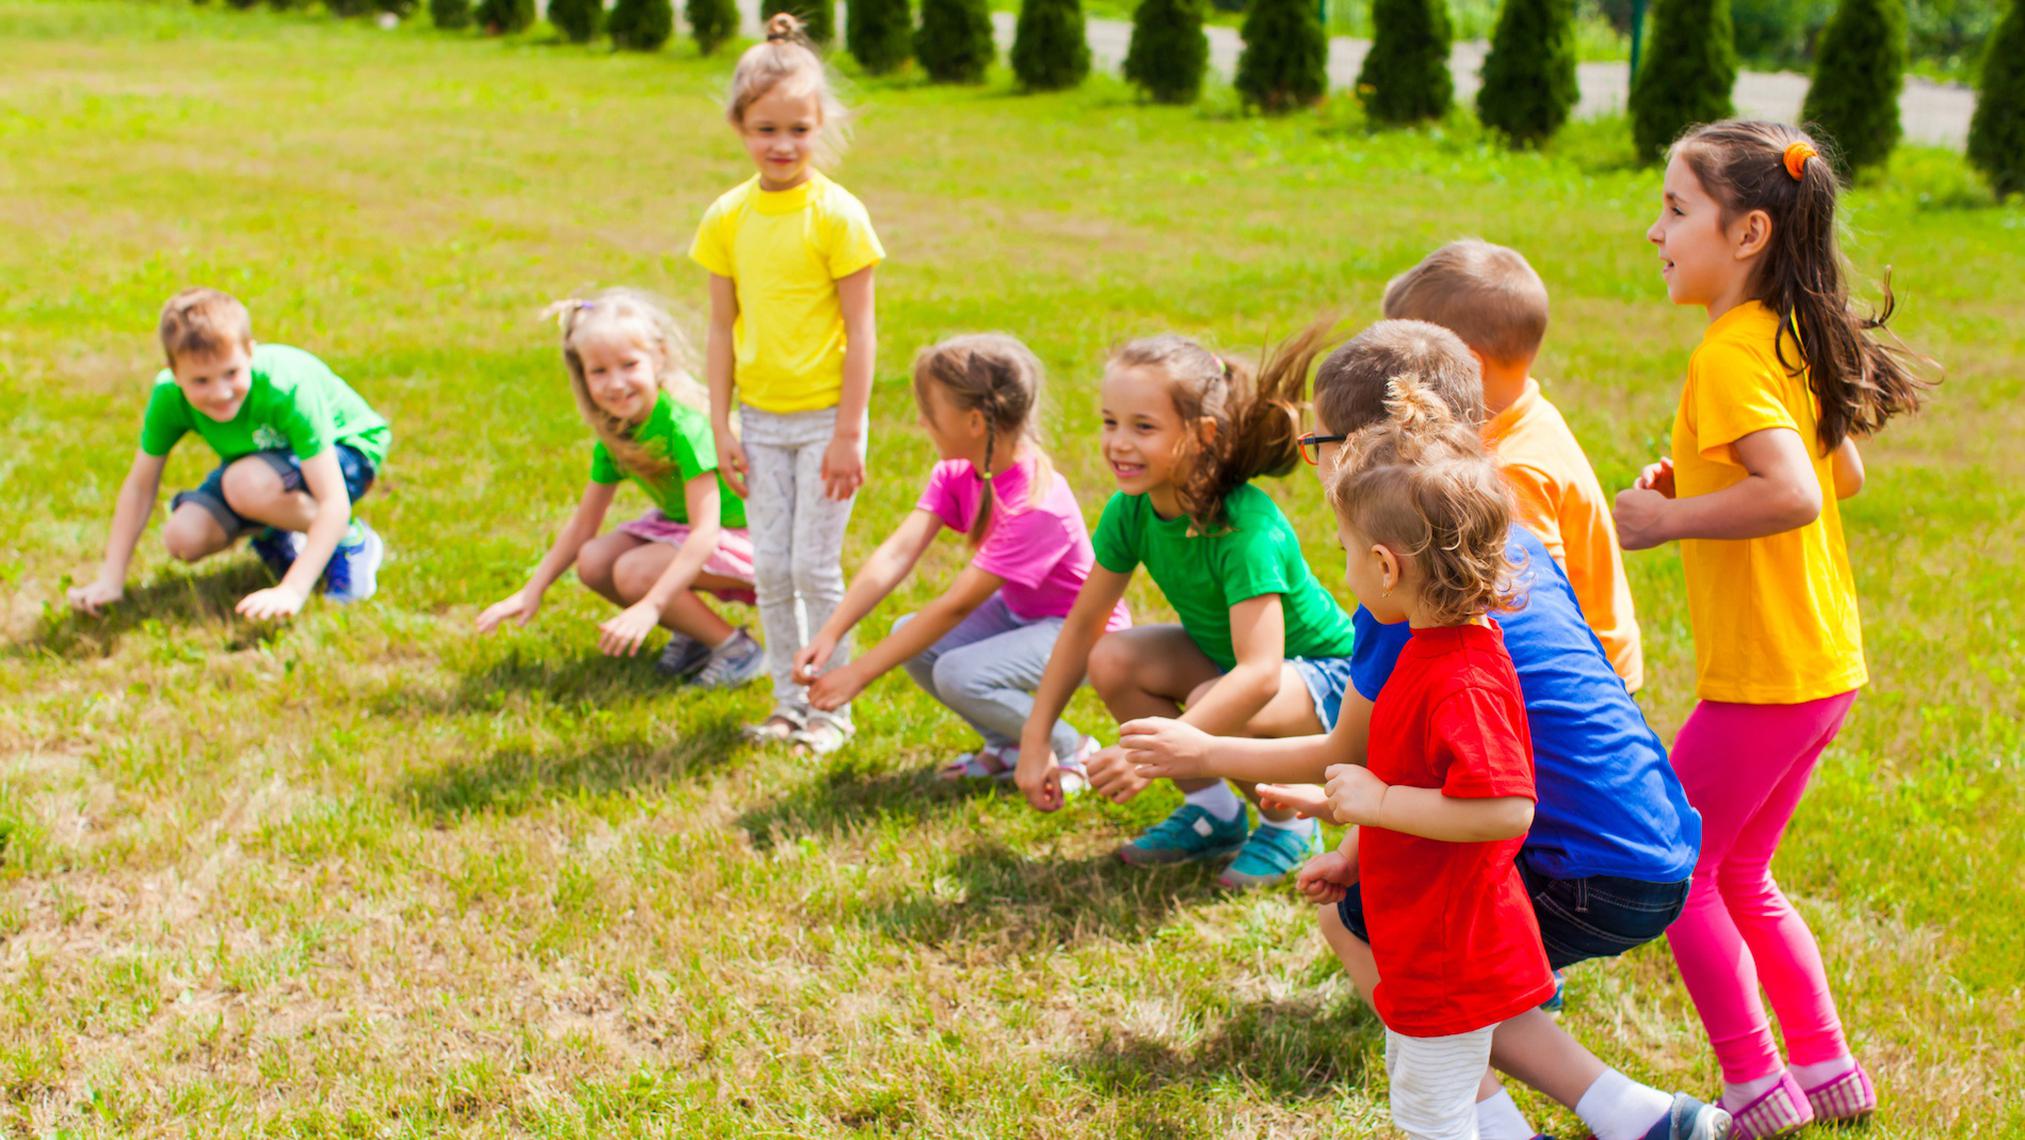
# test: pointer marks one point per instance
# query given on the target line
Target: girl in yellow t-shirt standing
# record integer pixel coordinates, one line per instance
(791, 256)
(1764, 444)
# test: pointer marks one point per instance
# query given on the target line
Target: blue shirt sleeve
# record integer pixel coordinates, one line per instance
(1374, 651)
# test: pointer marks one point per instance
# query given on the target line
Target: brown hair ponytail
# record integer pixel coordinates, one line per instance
(999, 378)
(1860, 381)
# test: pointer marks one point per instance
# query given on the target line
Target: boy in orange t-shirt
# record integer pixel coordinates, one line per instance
(1490, 297)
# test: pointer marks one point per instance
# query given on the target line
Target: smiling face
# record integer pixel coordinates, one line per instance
(956, 433)
(780, 129)
(1143, 433)
(622, 377)
(215, 383)
(1704, 260)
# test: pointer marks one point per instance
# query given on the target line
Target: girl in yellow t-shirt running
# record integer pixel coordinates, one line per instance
(791, 255)
(1764, 444)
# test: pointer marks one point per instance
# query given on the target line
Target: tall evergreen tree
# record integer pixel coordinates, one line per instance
(818, 17)
(879, 34)
(504, 17)
(1168, 51)
(711, 22)
(1997, 129)
(451, 14)
(954, 41)
(641, 25)
(1285, 61)
(1405, 77)
(1690, 65)
(577, 20)
(1529, 77)
(1050, 50)
(1859, 71)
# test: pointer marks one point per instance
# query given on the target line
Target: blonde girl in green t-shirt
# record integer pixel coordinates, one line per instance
(1260, 649)
(628, 368)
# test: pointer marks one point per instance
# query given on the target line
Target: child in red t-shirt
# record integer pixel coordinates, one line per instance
(1439, 814)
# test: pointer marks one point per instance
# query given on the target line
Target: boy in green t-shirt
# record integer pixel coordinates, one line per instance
(297, 447)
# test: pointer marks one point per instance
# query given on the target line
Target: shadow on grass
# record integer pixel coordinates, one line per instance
(569, 678)
(512, 781)
(171, 600)
(1292, 1049)
(851, 795)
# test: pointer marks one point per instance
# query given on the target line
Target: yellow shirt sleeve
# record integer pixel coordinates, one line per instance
(712, 245)
(849, 243)
(1736, 391)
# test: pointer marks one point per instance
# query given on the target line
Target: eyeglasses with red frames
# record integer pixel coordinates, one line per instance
(1311, 445)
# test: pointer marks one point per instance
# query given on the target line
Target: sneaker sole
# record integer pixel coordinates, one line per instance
(365, 586)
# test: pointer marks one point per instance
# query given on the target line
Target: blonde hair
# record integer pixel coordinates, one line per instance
(1351, 386)
(635, 318)
(1420, 483)
(787, 56)
(1486, 294)
(203, 322)
(999, 378)
(1257, 415)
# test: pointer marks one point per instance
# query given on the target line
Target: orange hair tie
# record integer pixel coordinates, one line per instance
(1797, 155)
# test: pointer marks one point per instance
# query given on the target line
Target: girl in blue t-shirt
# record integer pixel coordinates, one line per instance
(1261, 648)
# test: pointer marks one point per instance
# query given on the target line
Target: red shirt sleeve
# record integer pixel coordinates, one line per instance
(1481, 749)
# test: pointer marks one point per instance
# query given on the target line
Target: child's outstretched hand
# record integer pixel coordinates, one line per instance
(732, 463)
(810, 658)
(1163, 748)
(1039, 776)
(1354, 793)
(1305, 800)
(833, 689)
(621, 636)
(1640, 514)
(271, 604)
(1114, 776)
(518, 606)
(95, 596)
(1326, 878)
(843, 467)
(1657, 477)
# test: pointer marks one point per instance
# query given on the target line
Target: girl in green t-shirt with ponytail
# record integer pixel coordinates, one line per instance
(628, 366)
(1261, 648)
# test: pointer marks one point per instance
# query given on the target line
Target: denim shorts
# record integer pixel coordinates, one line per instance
(1326, 678)
(1601, 916)
(210, 495)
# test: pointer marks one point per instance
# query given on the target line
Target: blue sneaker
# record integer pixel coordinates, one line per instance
(1191, 833)
(1554, 1004)
(353, 573)
(1271, 854)
(277, 549)
(1690, 1119)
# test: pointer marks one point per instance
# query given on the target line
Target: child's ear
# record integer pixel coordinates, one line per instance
(1390, 569)
(1751, 234)
(1205, 429)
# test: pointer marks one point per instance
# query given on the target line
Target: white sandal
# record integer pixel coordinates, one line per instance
(987, 763)
(822, 735)
(782, 724)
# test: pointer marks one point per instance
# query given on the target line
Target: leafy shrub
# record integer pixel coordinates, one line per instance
(1050, 51)
(504, 17)
(1168, 51)
(1405, 77)
(954, 41)
(1690, 64)
(711, 22)
(1285, 62)
(1858, 76)
(450, 14)
(577, 20)
(1997, 130)
(879, 34)
(1529, 77)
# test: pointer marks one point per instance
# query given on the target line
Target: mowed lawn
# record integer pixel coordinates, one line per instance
(369, 874)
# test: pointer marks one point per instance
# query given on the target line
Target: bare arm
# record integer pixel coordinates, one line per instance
(718, 357)
(623, 634)
(1848, 463)
(1778, 494)
(325, 483)
(844, 460)
(1164, 748)
(1066, 666)
(972, 588)
(878, 577)
(1258, 635)
(138, 493)
(581, 528)
(1362, 799)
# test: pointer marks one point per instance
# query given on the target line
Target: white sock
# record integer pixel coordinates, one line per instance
(1821, 1072)
(1499, 1118)
(728, 639)
(1748, 1091)
(1218, 800)
(1619, 1108)
(1304, 826)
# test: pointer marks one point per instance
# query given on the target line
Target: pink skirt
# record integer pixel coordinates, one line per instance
(733, 558)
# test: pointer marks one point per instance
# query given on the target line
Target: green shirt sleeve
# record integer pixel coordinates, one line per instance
(1113, 540)
(167, 418)
(603, 470)
(306, 419)
(691, 444)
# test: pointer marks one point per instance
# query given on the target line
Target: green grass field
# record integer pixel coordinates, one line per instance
(370, 875)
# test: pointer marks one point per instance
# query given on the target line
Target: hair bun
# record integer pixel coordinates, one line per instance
(783, 27)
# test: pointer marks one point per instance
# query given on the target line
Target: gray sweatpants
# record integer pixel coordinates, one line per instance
(986, 670)
(797, 540)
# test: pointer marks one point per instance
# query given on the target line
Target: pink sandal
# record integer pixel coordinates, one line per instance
(1781, 1111)
(1850, 1096)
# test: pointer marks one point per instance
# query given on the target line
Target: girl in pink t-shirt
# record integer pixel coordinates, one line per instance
(982, 646)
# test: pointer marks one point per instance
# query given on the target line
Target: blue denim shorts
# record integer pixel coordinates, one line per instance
(210, 494)
(1326, 678)
(1601, 916)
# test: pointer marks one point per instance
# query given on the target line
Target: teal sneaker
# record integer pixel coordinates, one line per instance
(1271, 854)
(1191, 833)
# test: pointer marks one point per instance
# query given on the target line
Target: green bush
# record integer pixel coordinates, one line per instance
(879, 34)
(504, 17)
(641, 25)
(1997, 130)
(277, 5)
(1050, 51)
(711, 22)
(1529, 76)
(577, 20)
(349, 7)
(450, 14)
(1859, 72)
(242, 3)
(1168, 51)
(954, 41)
(1778, 34)
(818, 17)
(1689, 67)
(401, 8)
(1285, 61)
(1405, 77)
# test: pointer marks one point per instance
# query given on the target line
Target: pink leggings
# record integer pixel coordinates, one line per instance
(1744, 768)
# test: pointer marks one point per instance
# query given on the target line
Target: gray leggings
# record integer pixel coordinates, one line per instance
(797, 541)
(986, 670)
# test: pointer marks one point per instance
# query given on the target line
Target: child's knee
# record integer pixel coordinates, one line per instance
(633, 577)
(816, 576)
(192, 534)
(250, 484)
(594, 566)
(1112, 665)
